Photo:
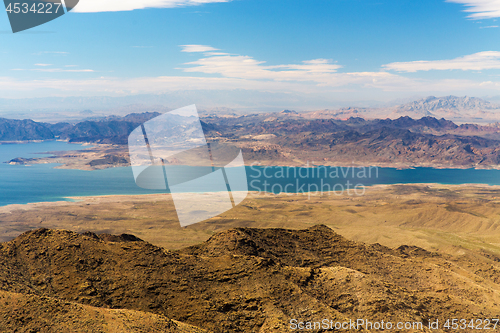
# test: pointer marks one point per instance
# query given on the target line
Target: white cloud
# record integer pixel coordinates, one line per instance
(309, 75)
(218, 71)
(245, 67)
(114, 85)
(359, 83)
(43, 65)
(92, 6)
(477, 62)
(197, 48)
(480, 9)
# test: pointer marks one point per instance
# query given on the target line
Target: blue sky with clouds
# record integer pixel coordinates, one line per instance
(330, 49)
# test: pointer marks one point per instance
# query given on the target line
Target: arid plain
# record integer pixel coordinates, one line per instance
(447, 218)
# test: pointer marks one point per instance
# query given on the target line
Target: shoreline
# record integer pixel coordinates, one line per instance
(116, 198)
(77, 165)
(92, 152)
(48, 140)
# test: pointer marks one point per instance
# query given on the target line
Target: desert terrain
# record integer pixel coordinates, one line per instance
(410, 253)
(450, 218)
(399, 253)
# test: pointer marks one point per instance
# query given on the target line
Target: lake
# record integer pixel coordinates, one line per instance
(20, 184)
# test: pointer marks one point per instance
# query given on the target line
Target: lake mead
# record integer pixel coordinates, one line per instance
(21, 184)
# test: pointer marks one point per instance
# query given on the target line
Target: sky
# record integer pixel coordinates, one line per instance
(327, 51)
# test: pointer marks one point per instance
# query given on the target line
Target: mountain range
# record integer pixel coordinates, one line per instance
(113, 129)
(290, 139)
(459, 109)
(293, 138)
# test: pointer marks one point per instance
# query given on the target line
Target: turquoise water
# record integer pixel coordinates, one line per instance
(21, 184)
(324, 179)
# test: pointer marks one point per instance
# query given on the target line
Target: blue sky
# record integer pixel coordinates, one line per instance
(330, 49)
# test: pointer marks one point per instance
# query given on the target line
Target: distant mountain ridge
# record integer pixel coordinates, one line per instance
(462, 109)
(433, 103)
(448, 106)
(115, 129)
(23, 130)
(111, 129)
(290, 138)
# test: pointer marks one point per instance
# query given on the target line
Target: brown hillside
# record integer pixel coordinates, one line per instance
(31, 313)
(249, 280)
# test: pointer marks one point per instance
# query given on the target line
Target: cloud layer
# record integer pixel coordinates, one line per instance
(245, 67)
(477, 62)
(93, 6)
(480, 9)
(197, 48)
(316, 72)
(216, 70)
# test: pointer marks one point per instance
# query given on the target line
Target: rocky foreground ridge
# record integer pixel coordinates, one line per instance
(240, 280)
